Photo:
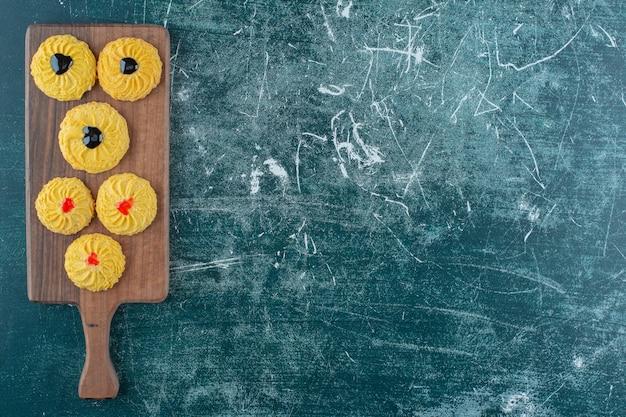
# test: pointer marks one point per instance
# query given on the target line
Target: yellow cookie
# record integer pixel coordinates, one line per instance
(129, 68)
(64, 67)
(94, 262)
(65, 205)
(93, 137)
(126, 204)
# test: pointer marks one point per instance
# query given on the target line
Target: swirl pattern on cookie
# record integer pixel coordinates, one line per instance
(129, 68)
(65, 205)
(63, 68)
(94, 262)
(93, 137)
(126, 204)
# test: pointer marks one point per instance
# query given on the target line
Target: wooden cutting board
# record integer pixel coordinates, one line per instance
(146, 277)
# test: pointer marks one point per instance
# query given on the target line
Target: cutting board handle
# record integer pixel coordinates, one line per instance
(99, 379)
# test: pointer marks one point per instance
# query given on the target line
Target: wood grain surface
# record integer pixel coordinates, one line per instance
(146, 277)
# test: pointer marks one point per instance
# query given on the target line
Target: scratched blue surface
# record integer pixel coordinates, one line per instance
(407, 208)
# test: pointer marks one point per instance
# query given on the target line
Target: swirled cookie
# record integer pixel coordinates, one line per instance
(65, 205)
(93, 137)
(129, 68)
(63, 67)
(126, 204)
(94, 262)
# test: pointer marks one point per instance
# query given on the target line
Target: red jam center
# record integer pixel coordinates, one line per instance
(92, 259)
(124, 206)
(67, 205)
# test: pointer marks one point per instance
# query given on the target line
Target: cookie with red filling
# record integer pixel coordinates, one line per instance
(65, 205)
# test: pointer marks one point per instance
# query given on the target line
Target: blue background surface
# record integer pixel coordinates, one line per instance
(407, 208)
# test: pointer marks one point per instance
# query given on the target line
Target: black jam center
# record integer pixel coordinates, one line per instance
(93, 137)
(128, 65)
(60, 63)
